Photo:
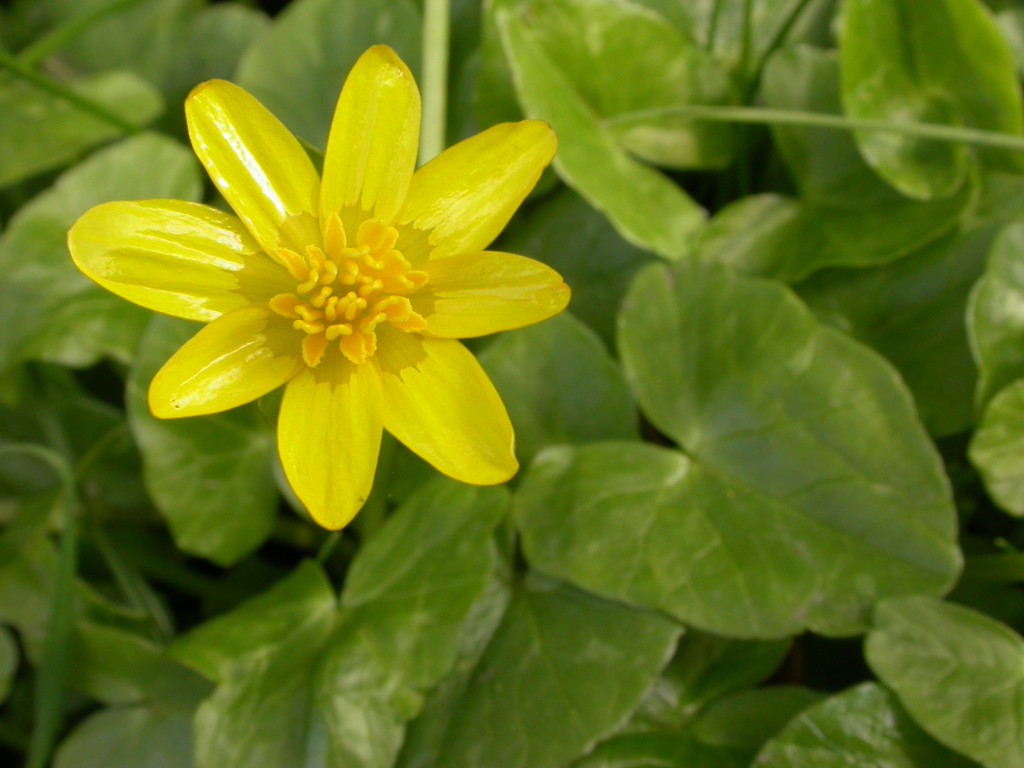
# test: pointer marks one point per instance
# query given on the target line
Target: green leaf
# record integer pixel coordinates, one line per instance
(940, 61)
(706, 667)
(862, 726)
(297, 66)
(741, 722)
(912, 310)
(131, 737)
(570, 236)
(804, 450)
(48, 309)
(302, 682)
(9, 660)
(997, 448)
(210, 476)
(41, 131)
(592, 43)
(647, 208)
(560, 386)
(959, 673)
(562, 670)
(658, 750)
(846, 215)
(994, 322)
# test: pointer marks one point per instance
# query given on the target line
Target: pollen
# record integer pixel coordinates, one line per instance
(344, 292)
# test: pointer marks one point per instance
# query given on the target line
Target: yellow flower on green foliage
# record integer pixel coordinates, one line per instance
(351, 289)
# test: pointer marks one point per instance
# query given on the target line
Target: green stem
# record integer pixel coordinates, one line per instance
(328, 546)
(57, 38)
(762, 116)
(53, 671)
(61, 91)
(436, 24)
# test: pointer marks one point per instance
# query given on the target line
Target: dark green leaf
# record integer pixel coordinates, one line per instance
(741, 722)
(912, 311)
(705, 667)
(297, 66)
(41, 131)
(658, 750)
(864, 726)
(563, 670)
(645, 206)
(560, 386)
(210, 476)
(959, 673)
(301, 681)
(811, 490)
(941, 61)
(48, 309)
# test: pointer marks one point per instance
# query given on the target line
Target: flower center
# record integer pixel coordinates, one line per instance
(344, 292)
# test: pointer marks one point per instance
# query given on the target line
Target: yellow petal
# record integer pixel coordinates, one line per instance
(328, 436)
(235, 359)
(440, 403)
(466, 195)
(479, 293)
(371, 152)
(182, 259)
(259, 167)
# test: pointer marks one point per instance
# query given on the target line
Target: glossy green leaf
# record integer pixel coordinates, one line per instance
(959, 673)
(570, 236)
(562, 670)
(804, 454)
(41, 131)
(997, 448)
(930, 61)
(646, 207)
(846, 215)
(346, 682)
(913, 310)
(49, 309)
(861, 726)
(297, 66)
(9, 659)
(995, 320)
(705, 667)
(210, 476)
(592, 42)
(560, 386)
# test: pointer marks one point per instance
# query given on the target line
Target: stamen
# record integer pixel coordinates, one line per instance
(313, 348)
(293, 263)
(285, 304)
(341, 329)
(321, 296)
(334, 236)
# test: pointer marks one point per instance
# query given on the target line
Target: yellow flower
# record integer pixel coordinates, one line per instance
(351, 290)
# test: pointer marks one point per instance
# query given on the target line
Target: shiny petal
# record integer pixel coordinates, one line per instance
(235, 359)
(259, 167)
(465, 196)
(329, 432)
(182, 259)
(479, 293)
(371, 151)
(440, 403)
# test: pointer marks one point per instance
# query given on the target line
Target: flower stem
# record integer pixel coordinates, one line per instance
(764, 116)
(436, 22)
(51, 86)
